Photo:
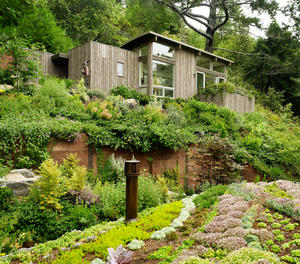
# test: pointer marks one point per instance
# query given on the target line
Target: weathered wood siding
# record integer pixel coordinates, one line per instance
(77, 57)
(185, 74)
(235, 102)
(103, 65)
(52, 68)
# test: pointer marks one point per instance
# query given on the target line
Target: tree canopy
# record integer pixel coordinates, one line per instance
(220, 12)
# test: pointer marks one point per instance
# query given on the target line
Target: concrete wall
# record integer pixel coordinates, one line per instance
(235, 102)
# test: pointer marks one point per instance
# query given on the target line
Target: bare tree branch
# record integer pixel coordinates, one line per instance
(196, 19)
(196, 15)
(243, 53)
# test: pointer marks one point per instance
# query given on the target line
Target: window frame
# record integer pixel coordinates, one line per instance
(123, 67)
(203, 74)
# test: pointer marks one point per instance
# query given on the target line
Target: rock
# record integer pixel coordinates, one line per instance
(132, 103)
(19, 181)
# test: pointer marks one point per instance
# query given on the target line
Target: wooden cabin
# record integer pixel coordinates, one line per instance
(151, 63)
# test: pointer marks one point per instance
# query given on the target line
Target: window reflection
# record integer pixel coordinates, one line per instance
(162, 73)
(162, 50)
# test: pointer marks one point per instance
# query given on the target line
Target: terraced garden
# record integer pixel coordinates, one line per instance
(239, 223)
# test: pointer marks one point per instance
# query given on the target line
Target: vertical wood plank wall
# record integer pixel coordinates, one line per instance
(185, 74)
(76, 58)
(103, 65)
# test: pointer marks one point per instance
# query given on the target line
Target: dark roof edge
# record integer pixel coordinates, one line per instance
(60, 57)
(133, 43)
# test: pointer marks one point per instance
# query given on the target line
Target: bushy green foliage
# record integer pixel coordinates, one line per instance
(5, 198)
(266, 140)
(248, 256)
(129, 93)
(112, 199)
(227, 87)
(50, 186)
(75, 173)
(149, 193)
(209, 197)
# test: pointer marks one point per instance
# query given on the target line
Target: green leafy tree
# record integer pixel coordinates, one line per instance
(148, 15)
(102, 20)
(220, 13)
(33, 22)
(23, 66)
(276, 63)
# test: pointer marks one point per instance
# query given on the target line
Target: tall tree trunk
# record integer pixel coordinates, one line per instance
(211, 25)
(209, 43)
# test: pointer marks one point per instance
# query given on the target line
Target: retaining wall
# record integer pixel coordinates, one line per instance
(235, 102)
(154, 162)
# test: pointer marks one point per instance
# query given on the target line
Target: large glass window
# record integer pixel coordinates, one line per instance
(162, 73)
(162, 50)
(200, 80)
(143, 74)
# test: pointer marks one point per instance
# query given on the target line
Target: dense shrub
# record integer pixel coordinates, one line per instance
(113, 202)
(268, 141)
(128, 93)
(5, 198)
(209, 197)
(149, 193)
(217, 160)
(25, 222)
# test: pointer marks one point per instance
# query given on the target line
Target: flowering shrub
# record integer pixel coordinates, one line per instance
(231, 243)
(207, 239)
(237, 232)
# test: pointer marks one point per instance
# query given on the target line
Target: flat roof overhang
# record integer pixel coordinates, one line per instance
(152, 36)
(60, 58)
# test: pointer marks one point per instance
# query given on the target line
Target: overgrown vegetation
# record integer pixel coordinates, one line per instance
(267, 140)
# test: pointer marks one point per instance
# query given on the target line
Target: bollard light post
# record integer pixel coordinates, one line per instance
(132, 171)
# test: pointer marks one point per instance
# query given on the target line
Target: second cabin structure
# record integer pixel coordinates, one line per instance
(151, 63)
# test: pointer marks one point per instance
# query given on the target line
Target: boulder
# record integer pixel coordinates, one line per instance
(19, 181)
